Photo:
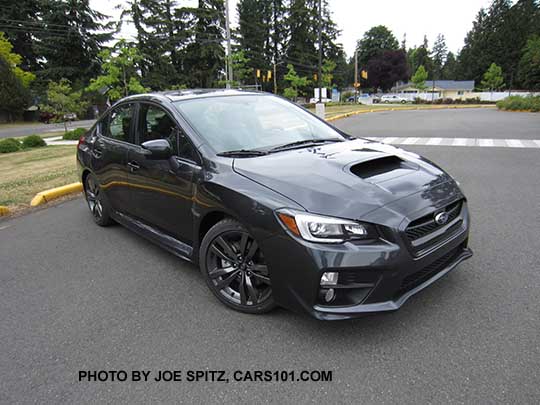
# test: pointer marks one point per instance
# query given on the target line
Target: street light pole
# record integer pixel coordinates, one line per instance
(319, 75)
(356, 75)
(228, 38)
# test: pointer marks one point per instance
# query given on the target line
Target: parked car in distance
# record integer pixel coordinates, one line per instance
(276, 206)
(359, 98)
(393, 99)
(70, 117)
(46, 117)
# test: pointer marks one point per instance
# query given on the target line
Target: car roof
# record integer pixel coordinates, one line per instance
(186, 94)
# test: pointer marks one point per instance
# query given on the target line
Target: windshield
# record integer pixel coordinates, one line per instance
(252, 122)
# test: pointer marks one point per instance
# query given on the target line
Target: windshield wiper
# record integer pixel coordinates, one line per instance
(242, 153)
(303, 142)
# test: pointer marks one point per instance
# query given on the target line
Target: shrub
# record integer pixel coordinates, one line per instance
(33, 141)
(74, 135)
(515, 103)
(9, 145)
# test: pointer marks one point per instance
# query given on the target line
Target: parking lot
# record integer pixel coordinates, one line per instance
(75, 296)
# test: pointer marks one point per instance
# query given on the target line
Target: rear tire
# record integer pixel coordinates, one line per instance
(234, 268)
(97, 201)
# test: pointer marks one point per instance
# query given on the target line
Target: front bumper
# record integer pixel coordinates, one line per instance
(373, 277)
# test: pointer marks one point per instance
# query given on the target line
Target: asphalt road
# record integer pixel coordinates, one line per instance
(450, 123)
(74, 296)
(40, 129)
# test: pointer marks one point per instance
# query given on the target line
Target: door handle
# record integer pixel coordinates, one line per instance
(133, 166)
(97, 153)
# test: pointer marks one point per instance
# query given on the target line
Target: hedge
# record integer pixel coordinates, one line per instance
(515, 103)
(33, 141)
(9, 145)
(74, 135)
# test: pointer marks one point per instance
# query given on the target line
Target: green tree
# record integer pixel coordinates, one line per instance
(163, 31)
(68, 38)
(14, 61)
(374, 42)
(17, 19)
(493, 78)
(439, 54)
(419, 78)
(328, 68)
(204, 56)
(529, 65)
(61, 100)
(241, 69)
(296, 83)
(450, 67)
(121, 75)
(14, 96)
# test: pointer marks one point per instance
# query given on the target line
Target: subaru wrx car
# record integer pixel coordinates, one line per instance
(275, 205)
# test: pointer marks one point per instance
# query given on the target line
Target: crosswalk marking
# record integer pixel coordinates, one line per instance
(469, 142)
(485, 142)
(460, 142)
(514, 143)
(434, 141)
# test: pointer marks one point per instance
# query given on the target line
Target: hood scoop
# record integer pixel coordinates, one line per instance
(376, 167)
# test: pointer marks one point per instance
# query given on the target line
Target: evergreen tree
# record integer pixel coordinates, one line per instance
(162, 31)
(19, 21)
(254, 33)
(73, 34)
(14, 96)
(439, 55)
(449, 71)
(419, 78)
(529, 65)
(204, 56)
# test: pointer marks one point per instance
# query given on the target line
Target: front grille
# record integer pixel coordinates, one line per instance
(426, 228)
(423, 226)
(415, 279)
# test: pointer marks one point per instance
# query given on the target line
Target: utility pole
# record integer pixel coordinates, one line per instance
(319, 75)
(275, 78)
(356, 75)
(228, 69)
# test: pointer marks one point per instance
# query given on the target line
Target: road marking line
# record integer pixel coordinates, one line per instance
(514, 143)
(537, 142)
(485, 142)
(434, 141)
(410, 141)
(460, 142)
(389, 140)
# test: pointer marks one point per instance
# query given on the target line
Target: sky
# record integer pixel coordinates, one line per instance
(415, 18)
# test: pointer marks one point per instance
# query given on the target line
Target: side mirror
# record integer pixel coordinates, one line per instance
(158, 148)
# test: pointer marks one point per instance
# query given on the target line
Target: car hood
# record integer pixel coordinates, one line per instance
(350, 179)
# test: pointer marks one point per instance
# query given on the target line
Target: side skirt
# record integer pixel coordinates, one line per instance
(180, 249)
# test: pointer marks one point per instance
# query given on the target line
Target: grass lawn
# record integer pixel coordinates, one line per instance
(26, 173)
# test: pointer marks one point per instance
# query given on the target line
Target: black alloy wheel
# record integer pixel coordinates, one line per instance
(234, 268)
(96, 201)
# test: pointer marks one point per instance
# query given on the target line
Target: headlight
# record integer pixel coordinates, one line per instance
(318, 228)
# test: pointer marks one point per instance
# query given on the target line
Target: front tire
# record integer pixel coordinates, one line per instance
(234, 268)
(97, 202)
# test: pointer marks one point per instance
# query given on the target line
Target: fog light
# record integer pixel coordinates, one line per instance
(330, 295)
(329, 278)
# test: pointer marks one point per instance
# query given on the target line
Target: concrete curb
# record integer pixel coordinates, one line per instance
(4, 210)
(48, 195)
(435, 107)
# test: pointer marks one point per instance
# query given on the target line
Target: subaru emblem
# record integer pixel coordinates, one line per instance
(441, 218)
